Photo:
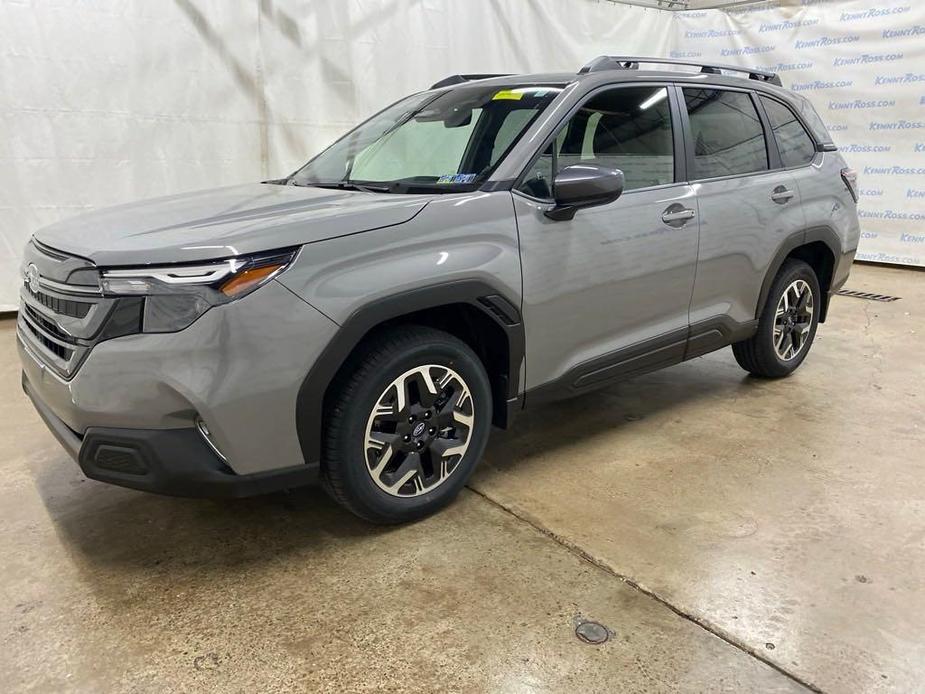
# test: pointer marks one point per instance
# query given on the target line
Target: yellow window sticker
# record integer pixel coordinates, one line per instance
(507, 94)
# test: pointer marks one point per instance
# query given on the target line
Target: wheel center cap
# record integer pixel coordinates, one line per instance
(419, 429)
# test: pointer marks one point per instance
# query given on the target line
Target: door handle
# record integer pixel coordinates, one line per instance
(677, 215)
(781, 195)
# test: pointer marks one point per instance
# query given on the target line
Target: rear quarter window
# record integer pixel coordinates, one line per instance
(794, 143)
(818, 129)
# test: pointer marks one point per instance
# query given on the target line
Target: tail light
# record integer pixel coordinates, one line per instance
(850, 177)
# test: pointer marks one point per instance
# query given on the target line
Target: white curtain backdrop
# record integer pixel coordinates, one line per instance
(107, 101)
(862, 64)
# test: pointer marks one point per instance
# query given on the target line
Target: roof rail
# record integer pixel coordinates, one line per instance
(615, 62)
(459, 79)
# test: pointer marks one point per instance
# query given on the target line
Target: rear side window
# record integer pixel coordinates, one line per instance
(812, 119)
(627, 128)
(727, 133)
(796, 146)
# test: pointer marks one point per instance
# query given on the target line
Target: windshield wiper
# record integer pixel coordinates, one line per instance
(344, 185)
(402, 185)
(413, 184)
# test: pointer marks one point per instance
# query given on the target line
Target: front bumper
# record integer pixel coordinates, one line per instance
(138, 398)
(176, 462)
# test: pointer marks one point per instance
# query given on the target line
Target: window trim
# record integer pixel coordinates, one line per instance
(772, 155)
(799, 120)
(677, 138)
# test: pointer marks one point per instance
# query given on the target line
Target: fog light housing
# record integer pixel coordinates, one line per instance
(207, 437)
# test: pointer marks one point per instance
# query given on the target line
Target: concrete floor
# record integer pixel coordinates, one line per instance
(734, 534)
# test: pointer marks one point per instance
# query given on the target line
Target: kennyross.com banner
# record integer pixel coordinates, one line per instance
(862, 65)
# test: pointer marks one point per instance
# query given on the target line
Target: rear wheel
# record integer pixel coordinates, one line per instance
(407, 425)
(787, 325)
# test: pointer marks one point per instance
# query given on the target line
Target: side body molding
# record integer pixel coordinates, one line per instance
(475, 293)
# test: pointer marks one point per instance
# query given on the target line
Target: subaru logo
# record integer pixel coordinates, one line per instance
(32, 278)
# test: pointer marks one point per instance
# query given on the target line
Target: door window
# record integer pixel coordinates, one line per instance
(796, 146)
(727, 133)
(627, 128)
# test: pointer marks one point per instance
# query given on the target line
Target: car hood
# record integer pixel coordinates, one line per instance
(225, 222)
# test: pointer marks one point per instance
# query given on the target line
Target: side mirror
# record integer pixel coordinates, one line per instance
(584, 185)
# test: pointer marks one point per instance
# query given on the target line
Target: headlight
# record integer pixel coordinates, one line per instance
(176, 295)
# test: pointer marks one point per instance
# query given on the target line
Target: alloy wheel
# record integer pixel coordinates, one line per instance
(793, 320)
(419, 430)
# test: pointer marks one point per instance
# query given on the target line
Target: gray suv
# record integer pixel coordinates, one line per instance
(491, 243)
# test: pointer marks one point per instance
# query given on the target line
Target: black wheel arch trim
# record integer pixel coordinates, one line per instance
(826, 235)
(479, 294)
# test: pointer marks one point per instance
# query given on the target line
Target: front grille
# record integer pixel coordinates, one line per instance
(64, 307)
(61, 316)
(49, 326)
(63, 353)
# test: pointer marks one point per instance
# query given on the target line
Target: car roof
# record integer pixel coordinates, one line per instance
(614, 77)
(611, 69)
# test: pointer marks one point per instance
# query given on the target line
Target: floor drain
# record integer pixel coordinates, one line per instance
(866, 295)
(592, 632)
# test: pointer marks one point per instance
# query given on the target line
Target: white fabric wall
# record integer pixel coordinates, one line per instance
(107, 101)
(862, 64)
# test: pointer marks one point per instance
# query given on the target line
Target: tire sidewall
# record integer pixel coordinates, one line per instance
(350, 444)
(793, 271)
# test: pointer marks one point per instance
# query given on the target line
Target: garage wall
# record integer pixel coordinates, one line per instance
(105, 102)
(108, 101)
(326, 65)
(862, 64)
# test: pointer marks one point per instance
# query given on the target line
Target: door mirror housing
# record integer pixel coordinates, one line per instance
(584, 185)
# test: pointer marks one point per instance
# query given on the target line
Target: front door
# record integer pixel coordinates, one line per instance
(607, 294)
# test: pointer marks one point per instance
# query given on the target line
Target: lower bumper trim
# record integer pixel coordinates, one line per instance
(175, 462)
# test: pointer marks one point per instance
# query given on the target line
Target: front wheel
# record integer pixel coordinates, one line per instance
(787, 325)
(408, 422)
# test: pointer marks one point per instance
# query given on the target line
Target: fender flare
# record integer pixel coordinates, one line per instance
(824, 234)
(477, 293)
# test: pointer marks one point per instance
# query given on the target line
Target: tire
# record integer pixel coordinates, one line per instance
(364, 472)
(760, 355)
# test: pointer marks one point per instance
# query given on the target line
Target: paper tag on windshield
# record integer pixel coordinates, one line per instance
(508, 94)
(457, 178)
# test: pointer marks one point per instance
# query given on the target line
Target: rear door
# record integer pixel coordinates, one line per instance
(797, 153)
(747, 206)
(606, 294)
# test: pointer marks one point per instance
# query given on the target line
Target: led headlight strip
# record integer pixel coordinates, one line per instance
(176, 295)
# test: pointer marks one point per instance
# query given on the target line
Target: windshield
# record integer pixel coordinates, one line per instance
(432, 142)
